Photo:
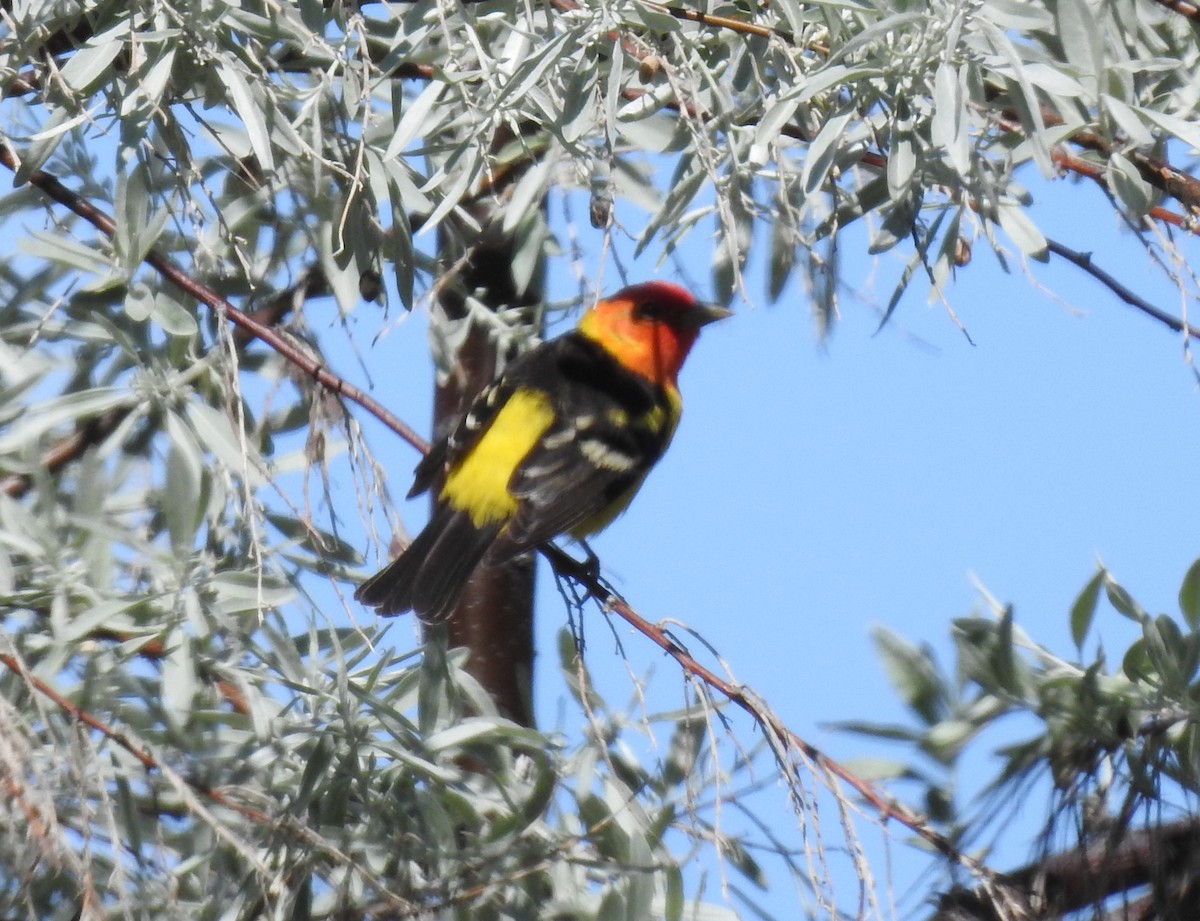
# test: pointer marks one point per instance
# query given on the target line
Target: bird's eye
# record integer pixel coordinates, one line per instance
(647, 310)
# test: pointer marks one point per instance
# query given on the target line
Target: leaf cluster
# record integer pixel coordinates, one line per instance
(1110, 746)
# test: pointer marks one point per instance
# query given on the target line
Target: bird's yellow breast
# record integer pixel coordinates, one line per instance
(478, 483)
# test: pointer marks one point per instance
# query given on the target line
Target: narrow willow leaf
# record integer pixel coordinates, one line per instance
(181, 497)
(71, 407)
(1130, 188)
(912, 673)
(240, 592)
(823, 150)
(577, 115)
(901, 164)
(154, 80)
(833, 76)
(672, 908)
(1022, 230)
(43, 144)
(777, 114)
(533, 68)
(1083, 611)
(216, 432)
(64, 250)
(1186, 131)
(415, 120)
(250, 112)
(1120, 599)
(1128, 120)
(1189, 596)
(949, 125)
(88, 64)
(1079, 29)
(179, 679)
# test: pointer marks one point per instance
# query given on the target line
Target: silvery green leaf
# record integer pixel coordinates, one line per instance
(246, 105)
(179, 682)
(65, 250)
(949, 127)
(777, 114)
(901, 164)
(1131, 189)
(823, 151)
(154, 81)
(89, 63)
(415, 120)
(1021, 230)
(1186, 130)
(70, 407)
(181, 497)
(1079, 30)
(1128, 120)
(215, 431)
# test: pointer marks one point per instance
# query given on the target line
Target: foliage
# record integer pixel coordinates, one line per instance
(1112, 747)
(351, 783)
(190, 729)
(303, 134)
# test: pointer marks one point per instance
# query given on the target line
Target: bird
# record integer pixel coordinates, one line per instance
(559, 443)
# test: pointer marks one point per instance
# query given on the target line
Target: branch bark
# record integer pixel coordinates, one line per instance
(494, 617)
(1167, 859)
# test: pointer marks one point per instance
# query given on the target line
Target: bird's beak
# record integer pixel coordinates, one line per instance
(703, 314)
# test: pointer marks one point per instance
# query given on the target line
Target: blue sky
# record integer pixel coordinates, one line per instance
(818, 488)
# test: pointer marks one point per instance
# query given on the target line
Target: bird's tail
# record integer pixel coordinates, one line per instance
(430, 574)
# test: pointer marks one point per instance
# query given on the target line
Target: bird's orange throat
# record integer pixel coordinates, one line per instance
(653, 349)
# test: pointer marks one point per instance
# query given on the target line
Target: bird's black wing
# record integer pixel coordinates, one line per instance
(610, 426)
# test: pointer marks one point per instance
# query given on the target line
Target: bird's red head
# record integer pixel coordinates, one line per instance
(650, 327)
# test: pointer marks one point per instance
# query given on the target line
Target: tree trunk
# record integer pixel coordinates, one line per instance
(494, 617)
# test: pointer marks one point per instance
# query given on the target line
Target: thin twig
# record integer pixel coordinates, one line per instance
(50, 185)
(152, 762)
(745, 698)
(1084, 261)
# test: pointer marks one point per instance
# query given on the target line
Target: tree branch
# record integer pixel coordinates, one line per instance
(768, 721)
(153, 763)
(1183, 7)
(50, 185)
(87, 433)
(1086, 876)
(1084, 261)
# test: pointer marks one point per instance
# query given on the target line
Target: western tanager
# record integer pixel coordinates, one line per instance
(559, 443)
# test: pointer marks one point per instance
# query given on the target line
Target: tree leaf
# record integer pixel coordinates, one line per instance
(248, 109)
(1189, 596)
(1083, 611)
(1022, 230)
(1079, 31)
(823, 151)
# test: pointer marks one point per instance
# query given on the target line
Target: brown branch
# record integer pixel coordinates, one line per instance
(77, 712)
(153, 763)
(91, 432)
(1085, 876)
(274, 309)
(144, 756)
(1168, 179)
(887, 807)
(741, 26)
(1084, 261)
(219, 305)
(1071, 163)
(87, 433)
(1183, 7)
(24, 83)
